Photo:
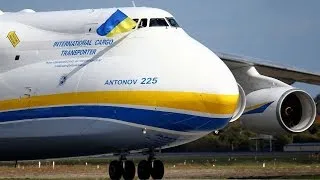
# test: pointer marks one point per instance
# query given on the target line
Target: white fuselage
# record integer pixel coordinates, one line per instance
(73, 92)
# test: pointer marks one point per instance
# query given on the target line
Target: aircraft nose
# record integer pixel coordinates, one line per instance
(220, 105)
(218, 87)
(207, 91)
(220, 97)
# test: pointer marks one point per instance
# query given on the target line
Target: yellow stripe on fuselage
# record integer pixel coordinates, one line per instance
(199, 102)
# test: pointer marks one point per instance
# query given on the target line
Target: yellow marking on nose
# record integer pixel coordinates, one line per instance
(192, 101)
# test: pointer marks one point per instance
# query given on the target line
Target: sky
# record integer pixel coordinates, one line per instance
(284, 32)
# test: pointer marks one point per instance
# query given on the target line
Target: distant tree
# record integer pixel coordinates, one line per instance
(315, 128)
(236, 137)
(281, 140)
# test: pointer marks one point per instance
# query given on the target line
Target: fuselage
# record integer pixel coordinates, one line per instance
(66, 91)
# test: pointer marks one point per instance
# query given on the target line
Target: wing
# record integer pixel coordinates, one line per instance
(288, 75)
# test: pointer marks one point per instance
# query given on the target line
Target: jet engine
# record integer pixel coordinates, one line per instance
(318, 112)
(278, 110)
(241, 105)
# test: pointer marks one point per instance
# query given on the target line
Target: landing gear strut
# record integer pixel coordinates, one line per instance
(146, 168)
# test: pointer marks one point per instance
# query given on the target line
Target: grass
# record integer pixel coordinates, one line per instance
(189, 166)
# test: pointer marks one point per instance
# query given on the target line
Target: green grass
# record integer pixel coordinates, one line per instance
(226, 160)
(304, 166)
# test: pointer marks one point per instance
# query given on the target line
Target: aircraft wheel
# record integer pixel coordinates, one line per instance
(115, 170)
(144, 169)
(129, 170)
(157, 169)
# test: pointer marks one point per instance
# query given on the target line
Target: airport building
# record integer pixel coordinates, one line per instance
(302, 147)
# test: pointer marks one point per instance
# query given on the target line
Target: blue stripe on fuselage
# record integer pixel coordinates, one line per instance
(159, 119)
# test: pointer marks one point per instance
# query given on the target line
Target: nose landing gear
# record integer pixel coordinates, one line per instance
(129, 170)
(157, 169)
(122, 168)
(146, 168)
(154, 168)
(151, 167)
(115, 170)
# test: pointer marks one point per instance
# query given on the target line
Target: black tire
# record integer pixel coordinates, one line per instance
(129, 170)
(144, 170)
(115, 170)
(157, 169)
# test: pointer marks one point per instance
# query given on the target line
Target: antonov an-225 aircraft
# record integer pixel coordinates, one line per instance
(124, 80)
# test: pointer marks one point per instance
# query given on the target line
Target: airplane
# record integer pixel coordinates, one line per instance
(318, 115)
(317, 121)
(130, 80)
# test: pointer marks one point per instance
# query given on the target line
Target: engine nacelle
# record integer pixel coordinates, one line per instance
(278, 110)
(318, 113)
(241, 105)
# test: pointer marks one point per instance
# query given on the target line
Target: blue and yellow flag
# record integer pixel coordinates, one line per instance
(117, 23)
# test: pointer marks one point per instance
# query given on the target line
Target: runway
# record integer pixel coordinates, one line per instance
(177, 166)
(177, 172)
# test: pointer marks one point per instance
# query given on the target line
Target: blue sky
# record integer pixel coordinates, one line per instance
(286, 32)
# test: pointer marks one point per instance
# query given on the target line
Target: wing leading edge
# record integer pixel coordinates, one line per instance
(286, 74)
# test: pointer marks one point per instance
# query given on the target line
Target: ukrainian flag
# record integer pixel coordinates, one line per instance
(117, 23)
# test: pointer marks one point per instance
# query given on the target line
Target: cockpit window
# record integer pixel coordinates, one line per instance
(158, 22)
(143, 23)
(136, 20)
(172, 22)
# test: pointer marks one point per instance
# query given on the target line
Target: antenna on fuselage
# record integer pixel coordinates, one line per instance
(133, 4)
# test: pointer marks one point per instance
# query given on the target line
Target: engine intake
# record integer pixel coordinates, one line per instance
(296, 111)
(278, 110)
